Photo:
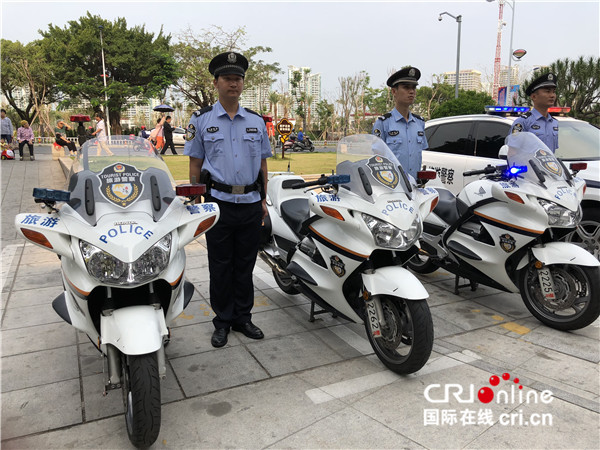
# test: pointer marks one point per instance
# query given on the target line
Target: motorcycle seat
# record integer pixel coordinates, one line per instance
(294, 212)
(449, 207)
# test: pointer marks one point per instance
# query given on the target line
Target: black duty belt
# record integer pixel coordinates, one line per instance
(234, 189)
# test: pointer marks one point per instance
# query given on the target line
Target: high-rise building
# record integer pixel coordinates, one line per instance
(256, 98)
(514, 75)
(468, 79)
(309, 83)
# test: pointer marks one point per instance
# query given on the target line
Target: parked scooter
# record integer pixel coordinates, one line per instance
(304, 144)
(120, 236)
(289, 143)
(344, 246)
(502, 231)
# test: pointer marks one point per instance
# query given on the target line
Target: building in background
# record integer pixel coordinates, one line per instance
(256, 98)
(309, 83)
(468, 79)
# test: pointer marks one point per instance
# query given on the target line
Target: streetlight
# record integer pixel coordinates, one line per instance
(100, 27)
(510, 3)
(459, 21)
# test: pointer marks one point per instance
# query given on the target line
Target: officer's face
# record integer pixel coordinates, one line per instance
(544, 97)
(229, 86)
(404, 94)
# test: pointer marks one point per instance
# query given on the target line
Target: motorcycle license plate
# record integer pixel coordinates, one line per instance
(546, 283)
(372, 318)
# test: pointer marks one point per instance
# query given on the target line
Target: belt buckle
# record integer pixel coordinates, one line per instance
(238, 190)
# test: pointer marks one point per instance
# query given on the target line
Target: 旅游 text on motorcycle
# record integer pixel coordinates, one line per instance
(120, 235)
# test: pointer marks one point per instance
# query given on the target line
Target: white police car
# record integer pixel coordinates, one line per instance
(461, 143)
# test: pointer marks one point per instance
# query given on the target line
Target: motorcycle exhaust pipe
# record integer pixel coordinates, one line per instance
(271, 262)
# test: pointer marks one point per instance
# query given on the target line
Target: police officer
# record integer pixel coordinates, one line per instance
(403, 131)
(542, 91)
(230, 144)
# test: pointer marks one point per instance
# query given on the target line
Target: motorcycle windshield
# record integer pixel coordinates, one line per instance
(120, 174)
(527, 150)
(374, 170)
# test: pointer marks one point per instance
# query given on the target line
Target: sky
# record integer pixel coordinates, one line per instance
(342, 38)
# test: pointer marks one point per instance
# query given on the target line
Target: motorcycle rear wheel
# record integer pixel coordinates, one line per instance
(141, 395)
(577, 301)
(421, 264)
(407, 337)
(285, 282)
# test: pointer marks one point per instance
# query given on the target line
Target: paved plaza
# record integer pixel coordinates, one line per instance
(306, 385)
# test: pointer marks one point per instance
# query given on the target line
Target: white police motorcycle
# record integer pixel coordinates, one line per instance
(120, 236)
(343, 247)
(502, 231)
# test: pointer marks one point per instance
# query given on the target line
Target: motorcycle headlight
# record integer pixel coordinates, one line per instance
(559, 216)
(107, 269)
(389, 236)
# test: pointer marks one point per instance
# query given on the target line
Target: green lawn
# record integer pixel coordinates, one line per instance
(300, 163)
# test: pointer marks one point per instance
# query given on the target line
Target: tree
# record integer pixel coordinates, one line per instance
(578, 86)
(325, 112)
(351, 96)
(194, 54)
(298, 91)
(24, 67)
(468, 102)
(429, 99)
(138, 64)
(274, 98)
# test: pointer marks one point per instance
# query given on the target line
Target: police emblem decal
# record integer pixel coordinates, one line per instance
(507, 243)
(121, 184)
(190, 133)
(384, 171)
(231, 58)
(548, 161)
(517, 128)
(377, 132)
(338, 266)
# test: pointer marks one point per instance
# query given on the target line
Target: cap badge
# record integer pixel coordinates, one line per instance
(550, 77)
(231, 58)
(411, 73)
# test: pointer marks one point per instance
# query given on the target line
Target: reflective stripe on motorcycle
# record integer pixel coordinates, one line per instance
(509, 226)
(332, 245)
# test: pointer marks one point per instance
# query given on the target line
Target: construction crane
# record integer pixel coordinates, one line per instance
(496, 84)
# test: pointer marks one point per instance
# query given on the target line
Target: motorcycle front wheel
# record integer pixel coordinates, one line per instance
(577, 302)
(141, 395)
(407, 336)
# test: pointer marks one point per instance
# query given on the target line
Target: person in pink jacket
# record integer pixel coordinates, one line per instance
(25, 136)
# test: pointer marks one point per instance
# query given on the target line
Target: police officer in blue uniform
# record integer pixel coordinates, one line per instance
(403, 131)
(538, 121)
(228, 146)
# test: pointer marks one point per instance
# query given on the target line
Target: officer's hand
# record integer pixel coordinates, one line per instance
(264, 208)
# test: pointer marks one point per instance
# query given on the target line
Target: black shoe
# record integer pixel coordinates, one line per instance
(219, 337)
(250, 330)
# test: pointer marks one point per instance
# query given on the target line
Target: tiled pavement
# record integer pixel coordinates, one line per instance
(306, 385)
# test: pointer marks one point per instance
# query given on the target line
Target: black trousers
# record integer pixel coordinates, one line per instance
(22, 144)
(64, 142)
(232, 249)
(168, 142)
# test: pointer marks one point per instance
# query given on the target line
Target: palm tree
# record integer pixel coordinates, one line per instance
(274, 98)
(286, 103)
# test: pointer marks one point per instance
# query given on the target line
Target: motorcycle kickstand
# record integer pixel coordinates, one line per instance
(314, 313)
(471, 284)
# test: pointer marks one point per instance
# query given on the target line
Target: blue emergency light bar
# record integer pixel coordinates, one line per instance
(516, 170)
(51, 195)
(506, 109)
(338, 179)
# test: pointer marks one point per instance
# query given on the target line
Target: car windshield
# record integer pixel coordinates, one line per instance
(578, 140)
(373, 168)
(527, 150)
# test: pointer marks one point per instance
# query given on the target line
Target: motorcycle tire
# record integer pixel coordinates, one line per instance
(587, 235)
(141, 395)
(311, 148)
(577, 302)
(421, 264)
(285, 283)
(407, 337)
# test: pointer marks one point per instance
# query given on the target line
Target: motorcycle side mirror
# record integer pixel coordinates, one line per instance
(503, 152)
(576, 167)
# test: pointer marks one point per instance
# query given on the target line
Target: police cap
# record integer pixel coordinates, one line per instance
(229, 63)
(546, 80)
(408, 75)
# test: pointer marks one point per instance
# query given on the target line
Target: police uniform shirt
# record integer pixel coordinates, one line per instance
(232, 149)
(405, 138)
(545, 128)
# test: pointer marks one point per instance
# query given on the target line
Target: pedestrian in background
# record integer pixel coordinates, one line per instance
(231, 144)
(101, 134)
(403, 131)
(538, 121)
(60, 132)
(81, 134)
(6, 127)
(25, 136)
(168, 132)
(157, 135)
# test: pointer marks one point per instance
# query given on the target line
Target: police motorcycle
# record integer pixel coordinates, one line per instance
(502, 231)
(120, 235)
(344, 244)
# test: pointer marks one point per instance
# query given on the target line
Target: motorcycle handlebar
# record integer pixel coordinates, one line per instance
(321, 181)
(485, 171)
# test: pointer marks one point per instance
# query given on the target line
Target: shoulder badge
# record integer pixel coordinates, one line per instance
(517, 128)
(253, 112)
(418, 117)
(385, 116)
(525, 115)
(203, 111)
